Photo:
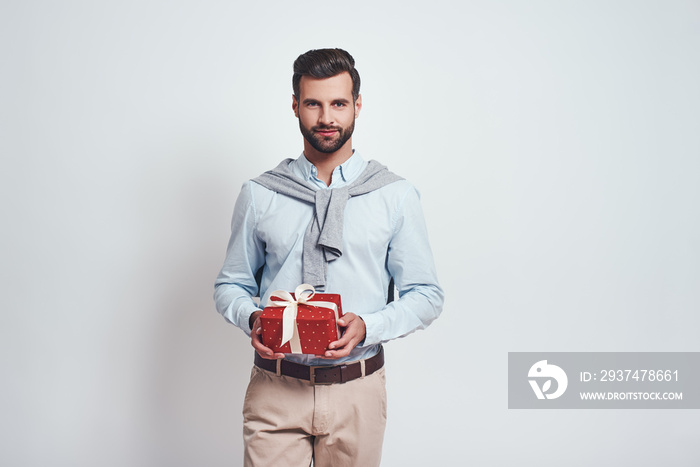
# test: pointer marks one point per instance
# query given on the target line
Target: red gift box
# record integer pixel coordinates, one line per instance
(310, 318)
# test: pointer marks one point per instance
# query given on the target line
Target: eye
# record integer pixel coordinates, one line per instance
(339, 104)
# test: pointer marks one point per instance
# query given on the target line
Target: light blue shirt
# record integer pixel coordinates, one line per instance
(384, 236)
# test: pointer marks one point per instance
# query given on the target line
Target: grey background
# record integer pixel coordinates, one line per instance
(555, 144)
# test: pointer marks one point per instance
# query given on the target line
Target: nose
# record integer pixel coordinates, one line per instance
(326, 116)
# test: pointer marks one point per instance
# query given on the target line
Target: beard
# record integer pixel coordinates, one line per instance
(326, 144)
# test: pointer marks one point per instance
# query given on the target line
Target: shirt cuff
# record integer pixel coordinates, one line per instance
(245, 317)
(374, 325)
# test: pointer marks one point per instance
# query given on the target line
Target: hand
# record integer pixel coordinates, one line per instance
(256, 336)
(354, 334)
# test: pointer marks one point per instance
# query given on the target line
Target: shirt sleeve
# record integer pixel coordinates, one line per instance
(410, 263)
(235, 285)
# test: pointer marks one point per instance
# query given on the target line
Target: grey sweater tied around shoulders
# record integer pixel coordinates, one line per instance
(323, 240)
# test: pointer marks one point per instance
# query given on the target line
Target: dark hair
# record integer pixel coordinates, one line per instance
(325, 63)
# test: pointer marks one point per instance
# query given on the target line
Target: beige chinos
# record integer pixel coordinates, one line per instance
(286, 421)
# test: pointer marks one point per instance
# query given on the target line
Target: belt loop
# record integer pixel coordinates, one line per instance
(362, 368)
(279, 367)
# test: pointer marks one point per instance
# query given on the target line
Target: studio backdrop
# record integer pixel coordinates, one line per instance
(555, 146)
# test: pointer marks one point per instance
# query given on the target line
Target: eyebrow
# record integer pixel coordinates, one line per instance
(334, 101)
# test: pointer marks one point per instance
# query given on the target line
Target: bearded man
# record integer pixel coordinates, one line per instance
(346, 226)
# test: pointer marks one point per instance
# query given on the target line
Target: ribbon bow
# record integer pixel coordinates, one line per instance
(290, 334)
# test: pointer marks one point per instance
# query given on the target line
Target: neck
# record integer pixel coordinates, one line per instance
(325, 163)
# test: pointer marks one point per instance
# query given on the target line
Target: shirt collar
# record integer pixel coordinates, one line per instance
(345, 173)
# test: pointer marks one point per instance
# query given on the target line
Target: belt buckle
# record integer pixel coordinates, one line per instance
(312, 376)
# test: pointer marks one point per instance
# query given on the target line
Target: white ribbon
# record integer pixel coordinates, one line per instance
(303, 294)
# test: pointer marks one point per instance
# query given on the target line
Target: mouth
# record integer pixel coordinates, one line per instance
(326, 133)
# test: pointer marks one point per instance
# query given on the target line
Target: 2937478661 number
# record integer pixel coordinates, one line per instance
(639, 375)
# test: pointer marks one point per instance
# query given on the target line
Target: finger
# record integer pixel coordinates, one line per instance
(274, 356)
(346, 319)
(267, 353)
(339, 353)
(343, 341)
(257, 335)
(341, 349)
(355, 330)
(261, 349)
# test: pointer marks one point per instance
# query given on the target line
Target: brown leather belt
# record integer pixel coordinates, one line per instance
(322, 374)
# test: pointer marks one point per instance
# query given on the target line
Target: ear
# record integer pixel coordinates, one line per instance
(358, 105)
(295, 106)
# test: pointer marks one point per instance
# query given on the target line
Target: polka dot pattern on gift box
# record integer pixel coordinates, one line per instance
(316, 326)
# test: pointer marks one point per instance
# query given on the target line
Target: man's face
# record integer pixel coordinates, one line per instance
(326, 111)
